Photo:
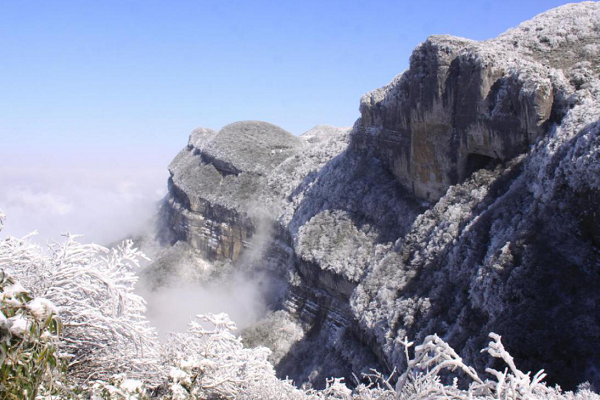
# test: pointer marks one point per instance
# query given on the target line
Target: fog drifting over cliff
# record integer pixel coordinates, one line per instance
(171, 307)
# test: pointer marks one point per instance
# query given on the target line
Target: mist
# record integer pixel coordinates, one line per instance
(103, 205)
(172, 307)
(106, 205)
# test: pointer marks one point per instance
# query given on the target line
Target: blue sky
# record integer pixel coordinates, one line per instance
(120, 82)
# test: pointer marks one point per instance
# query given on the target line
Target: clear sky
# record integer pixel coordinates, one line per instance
(112, 82)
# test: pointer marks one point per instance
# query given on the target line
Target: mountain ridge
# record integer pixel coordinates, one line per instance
(463, 201)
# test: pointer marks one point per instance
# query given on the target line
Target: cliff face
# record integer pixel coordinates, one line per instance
(509, 248)
(215, 182)
(464, 200)
(461, 106)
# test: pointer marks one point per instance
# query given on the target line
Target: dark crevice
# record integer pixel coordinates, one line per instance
(475, 162)
(224, 168)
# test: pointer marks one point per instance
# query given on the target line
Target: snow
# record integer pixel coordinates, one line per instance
(13, 290)
(132, 385)
(42, 308)
(19, 325)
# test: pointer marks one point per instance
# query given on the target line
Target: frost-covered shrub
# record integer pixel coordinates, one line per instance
(30, 362)
(104, 327)
(422, 378)
(211, 362)
(118, 387)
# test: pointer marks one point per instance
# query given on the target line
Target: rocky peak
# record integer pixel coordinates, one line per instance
(500, 137)
(251, 146)
(464, 105)
(215, 183)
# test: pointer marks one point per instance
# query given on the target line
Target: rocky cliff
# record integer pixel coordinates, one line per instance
(464, 200)
(215, 182)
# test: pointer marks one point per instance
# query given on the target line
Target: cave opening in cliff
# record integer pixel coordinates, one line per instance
(475, 162)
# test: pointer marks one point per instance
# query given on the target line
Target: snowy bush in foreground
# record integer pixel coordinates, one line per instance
(422, 377)
(213, 363)
(105, 330)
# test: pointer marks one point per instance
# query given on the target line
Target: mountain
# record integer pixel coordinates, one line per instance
(465, 200)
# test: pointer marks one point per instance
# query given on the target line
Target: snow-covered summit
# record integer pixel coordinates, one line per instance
(251, 146)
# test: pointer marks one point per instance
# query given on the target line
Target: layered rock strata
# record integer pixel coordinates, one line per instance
(215, 182)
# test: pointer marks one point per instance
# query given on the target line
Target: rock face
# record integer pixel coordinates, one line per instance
(463, 105)
(464, 200)
(215, 182)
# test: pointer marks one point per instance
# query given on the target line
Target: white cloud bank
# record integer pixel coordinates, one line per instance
(103, 205)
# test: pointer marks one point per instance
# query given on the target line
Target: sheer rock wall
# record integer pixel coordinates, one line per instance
(460, 106)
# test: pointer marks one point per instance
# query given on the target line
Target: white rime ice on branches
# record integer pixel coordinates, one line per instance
(104, 327)
(422, 377)
(213, 363)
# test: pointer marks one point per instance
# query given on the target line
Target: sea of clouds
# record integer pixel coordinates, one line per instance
(103, 205)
